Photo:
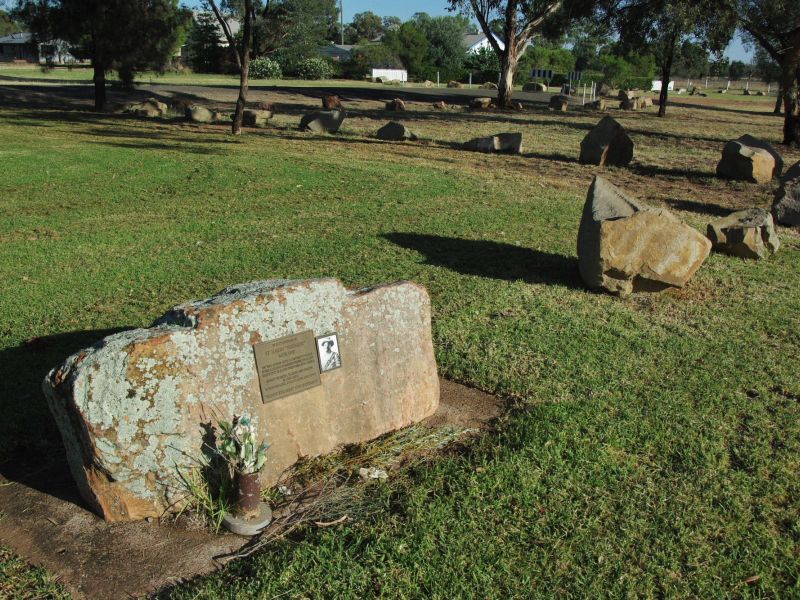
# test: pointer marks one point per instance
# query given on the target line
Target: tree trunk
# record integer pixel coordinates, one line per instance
(505, 88)
(244, 74)
(99, 86)
(778, 101)
(790, 86)
(666, 71)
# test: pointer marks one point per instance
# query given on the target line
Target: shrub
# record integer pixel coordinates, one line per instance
(265, 68)
(314, 68)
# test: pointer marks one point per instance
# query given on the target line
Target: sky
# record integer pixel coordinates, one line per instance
(406, 9)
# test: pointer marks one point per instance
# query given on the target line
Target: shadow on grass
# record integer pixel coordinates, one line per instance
(31, 451)
(702, 208)
(651, 170)
(494, 260)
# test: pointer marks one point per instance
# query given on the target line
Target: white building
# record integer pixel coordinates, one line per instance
(475, 41)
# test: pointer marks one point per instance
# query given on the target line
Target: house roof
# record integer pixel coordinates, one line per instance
(473, 39)
(17, 38)
(233, 24)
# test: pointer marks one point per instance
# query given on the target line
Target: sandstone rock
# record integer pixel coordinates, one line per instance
(749, 140)
(440, 105)
(508, 143)
(488, 86)
(607, 144)
(480, 103)
(746, 233)
(428, 83)
(599, 104)
(626, 95)
(559, 102)
(786, 207)
(645, 102)
(179, 106)
(744, 93)
(534, 86)
(331, 102)
(199, 114)
(256, 118)
(454, 84)
(323, 121)
(604, 90)
(624, 246)
(135, 409)
(742, 162)
(148, 108)
(395, 131)
(396, 105)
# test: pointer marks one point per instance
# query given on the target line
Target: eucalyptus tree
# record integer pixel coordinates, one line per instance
(517, 22)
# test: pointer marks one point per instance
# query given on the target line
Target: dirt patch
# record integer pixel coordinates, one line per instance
(47, 523)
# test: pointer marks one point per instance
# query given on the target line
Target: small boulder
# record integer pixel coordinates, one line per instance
(645, 102)
(428, 83)
(607, 144)
(440, 105)
(599, 104)
(256, 118)
(454, 84)
(488, 86)
(559, 103)
(534, 86)
(199, 114)
(503, 143)
(148, 108)
(746, 233)
(396, 105)
(395, 131)
(744, 93)
(604, 90)
(786, 207)
(749, 140)
(331, 102)
(745, 163)
(625, 246)
(480, 103)
(626, 95)
(323, 121)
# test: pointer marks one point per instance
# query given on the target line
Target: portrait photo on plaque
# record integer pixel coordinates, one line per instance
(328, 351)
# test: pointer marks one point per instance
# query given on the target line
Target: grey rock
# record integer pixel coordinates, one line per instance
(534, 86)
(395, 131)
(746, 233)
(256, 118)
(323, 121)
(199, 114)
(480, 103)
(786, 207)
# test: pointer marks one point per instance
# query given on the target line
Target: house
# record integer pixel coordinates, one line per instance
(18, 47)
(477, 41)
(337, 52)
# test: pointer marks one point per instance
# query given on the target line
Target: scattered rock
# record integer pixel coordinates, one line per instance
(135, 410)
(488, 86)
(507, 143)
(625, 246)
(745, 163)
(428, 83)
(534, 86)
(559, 102)
(395, 131)
(179, 106)
(396, 105)
(454, 84)
(626, 95)
(749, 140)
(786, 207)
(331, 102)
(607, 144)
(599, 104)
(480, 103)
(604, 90)
(323, 121)
(440, 105)
(746, 233)
(264, 106)
(744, 93)
(148, 108)
(256, 118)
(372, 473)
(199, 114)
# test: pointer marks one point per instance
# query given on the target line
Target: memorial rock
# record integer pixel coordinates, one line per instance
(746, 233)
(256, 118)
(323, 121)
(396, 105)
(607, 144)
(746, 163)
(137, 409)
(786, 207)
(559, 102)
(750, 141)
(508, 143)
(395, 131)
(480, 103)
(625, 246)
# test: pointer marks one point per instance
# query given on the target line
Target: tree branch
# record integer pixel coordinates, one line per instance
(482, 14)
(227, 31)
(534, 24)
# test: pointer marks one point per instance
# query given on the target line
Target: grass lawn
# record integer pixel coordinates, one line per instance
(653, 447)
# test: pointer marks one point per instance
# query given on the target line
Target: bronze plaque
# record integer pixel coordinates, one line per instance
(287, 366)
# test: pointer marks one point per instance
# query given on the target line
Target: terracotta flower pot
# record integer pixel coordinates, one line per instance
(248, 495)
